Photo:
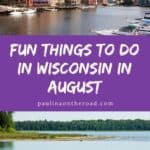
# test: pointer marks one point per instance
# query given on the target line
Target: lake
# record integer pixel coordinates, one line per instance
(123, 141)
(74, 21)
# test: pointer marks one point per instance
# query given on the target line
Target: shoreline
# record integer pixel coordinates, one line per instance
(6, 136)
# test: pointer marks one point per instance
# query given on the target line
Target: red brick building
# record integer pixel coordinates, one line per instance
(29, 3)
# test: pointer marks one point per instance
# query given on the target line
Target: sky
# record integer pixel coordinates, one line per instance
(68, 116)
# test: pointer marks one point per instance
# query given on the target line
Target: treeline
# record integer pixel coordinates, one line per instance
(81, 125)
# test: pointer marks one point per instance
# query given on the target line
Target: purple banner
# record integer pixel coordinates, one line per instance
(75, 73)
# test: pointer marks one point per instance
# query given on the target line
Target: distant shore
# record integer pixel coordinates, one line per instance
(53, 137)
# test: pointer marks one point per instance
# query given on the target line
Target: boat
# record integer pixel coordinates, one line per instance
(111, 4)
(144, 29)
(51, 9)
(92, 6)
(15, 13)
(103, 32)
(147, 15)
(29, 11)
(125, 30)
(5, 12)
(144, 20)
(131, 29)
(87, 7)
(136, 21)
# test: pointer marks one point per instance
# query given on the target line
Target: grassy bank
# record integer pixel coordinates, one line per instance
(34, 135)
(17, 135)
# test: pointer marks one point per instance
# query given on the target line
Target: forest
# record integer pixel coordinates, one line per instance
(82, 125)
(7, 123)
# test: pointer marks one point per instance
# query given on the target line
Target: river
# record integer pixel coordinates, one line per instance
(124, 141)
(68, 22)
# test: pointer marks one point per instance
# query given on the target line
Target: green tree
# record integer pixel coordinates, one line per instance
(6, 120)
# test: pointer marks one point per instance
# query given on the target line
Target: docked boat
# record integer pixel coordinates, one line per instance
(147, 15)
(126, 30)
(51, 9)
(131, 29)
(144, 29)
(144, 20)
(104, 32)
(5, 12)
(29, 11)
(15, 13)
(87, 7)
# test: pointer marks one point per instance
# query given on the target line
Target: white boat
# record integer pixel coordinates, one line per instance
(147, 15)
(131, 29)
(16, 13)
(134, 21)
(126, 30)
(29, 11)
(111, 4)
(104, 32)
(144, 29)
(51, 9)
(92, 6)
(144, 20)
(87, 7)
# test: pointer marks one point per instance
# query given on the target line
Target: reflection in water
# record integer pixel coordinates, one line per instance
(123, 141)
(78, 145)
(6, 145)
(74, 21)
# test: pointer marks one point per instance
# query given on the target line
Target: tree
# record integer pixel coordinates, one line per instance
(6, 120)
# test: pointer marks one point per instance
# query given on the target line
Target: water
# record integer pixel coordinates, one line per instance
(119, 135)
(66, 22)
(127, 141)
(93, 145)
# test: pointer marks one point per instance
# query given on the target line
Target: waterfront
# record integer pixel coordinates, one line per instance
(69, 22)
(132, 140)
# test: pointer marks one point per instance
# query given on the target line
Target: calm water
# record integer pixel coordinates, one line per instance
(127, 141)
(120, 135)
(69, 21)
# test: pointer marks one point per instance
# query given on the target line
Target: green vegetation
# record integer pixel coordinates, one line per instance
(81, 125)
(34, 136)
(8, 132)
(6, 121)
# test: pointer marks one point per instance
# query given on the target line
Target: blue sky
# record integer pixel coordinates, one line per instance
(68, 116)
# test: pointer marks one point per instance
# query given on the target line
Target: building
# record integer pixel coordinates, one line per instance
(70, 2)
(51, 2)
(56, 2)
(89, 2)
(92, 2)
(145, 3)
(40, 2)
(29, 3)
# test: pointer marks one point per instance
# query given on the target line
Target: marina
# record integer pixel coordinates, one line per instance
(81, 20)
(140, 26)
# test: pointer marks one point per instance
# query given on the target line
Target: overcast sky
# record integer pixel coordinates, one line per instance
(68, 116)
